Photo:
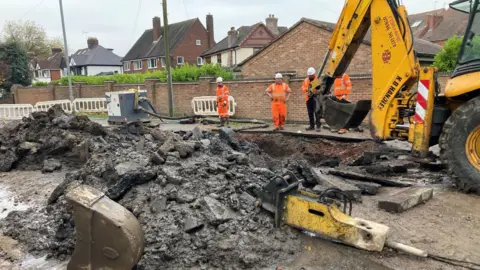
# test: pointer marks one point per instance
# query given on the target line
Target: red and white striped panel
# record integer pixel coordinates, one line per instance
(422, 101)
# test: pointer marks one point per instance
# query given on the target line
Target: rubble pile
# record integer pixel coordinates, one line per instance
(187, 190)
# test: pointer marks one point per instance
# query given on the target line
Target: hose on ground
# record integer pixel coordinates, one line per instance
(257, 123)
(461, 263)
(161, 117)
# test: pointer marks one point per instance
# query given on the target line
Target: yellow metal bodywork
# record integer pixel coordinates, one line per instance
(472, 148)
(306, 213)
(395, 68)
(462, 84)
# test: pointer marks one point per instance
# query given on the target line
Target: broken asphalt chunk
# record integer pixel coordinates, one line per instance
(405, 199)
(331, 181)
(217, 213)
(192, 225)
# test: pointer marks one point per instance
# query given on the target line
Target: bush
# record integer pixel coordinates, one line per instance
(185, 73)
(39, 84)
(446, 59)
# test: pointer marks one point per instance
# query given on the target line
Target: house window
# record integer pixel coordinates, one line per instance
(199, 42)
(162, 60)
(417, 23)
(219, 58)
(199, 61)
(180, 60)
(138, 65)
(126, 66)
(152, 63)
(45, 73)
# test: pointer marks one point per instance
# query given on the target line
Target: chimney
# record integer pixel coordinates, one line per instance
(272, 24)
(92, 43)
(211, 40)
(156, 28)
(432, 20)
(232, 37)
(56, 50)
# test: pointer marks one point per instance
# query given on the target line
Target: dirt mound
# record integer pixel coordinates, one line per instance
(28, 143)
(188, 194)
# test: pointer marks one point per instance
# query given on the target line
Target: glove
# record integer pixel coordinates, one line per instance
(225, 102)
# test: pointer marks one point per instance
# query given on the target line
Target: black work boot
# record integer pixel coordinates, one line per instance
(228, 122)
(222, 122)
(319, 128)
(310, 128)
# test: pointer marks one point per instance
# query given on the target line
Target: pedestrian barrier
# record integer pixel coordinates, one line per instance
(43, 106)
(207, 106)
(15, 111)
(90, 105)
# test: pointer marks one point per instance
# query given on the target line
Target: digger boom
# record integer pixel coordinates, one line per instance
(398, 111)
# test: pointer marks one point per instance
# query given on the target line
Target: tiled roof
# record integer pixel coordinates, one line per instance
(98, 56)
(145, 47)
(55, 61)
(242, 33)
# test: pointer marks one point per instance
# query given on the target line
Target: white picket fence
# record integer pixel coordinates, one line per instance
(18, 111)
(43, 106)
(207, 106)
(90, 105)
(15, 111)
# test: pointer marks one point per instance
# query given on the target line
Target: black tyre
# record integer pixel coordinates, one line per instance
(460, 146)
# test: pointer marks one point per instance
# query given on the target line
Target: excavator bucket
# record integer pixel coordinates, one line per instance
(345, 114)
(108, 236)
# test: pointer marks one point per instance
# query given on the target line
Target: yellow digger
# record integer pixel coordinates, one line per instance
(424, 117)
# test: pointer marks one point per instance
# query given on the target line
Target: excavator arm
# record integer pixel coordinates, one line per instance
(395, 69)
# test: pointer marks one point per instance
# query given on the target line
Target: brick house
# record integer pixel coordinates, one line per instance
(438, 25)
(188, 39)
(243, 42)
(304, 45)
(95, 60)
(50, 69)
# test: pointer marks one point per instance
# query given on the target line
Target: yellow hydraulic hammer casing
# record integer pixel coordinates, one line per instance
(422, 125)
(108, 236)
(306, 213)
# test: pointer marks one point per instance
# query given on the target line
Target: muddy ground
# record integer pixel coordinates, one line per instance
(171, 180)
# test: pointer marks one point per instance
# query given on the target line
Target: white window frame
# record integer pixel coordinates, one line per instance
(136, 66)
(198, 42)
(126, 66)
(180, 63)
(163, 61)
(201, 61)
(417, 23)
(150, 63)
(48, 73)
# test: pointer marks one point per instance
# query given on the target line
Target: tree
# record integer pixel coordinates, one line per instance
(5, 73)
(14, 56)
(446, 59)
(32, 36)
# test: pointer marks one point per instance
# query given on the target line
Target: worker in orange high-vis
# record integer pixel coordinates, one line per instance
(279, 92)
(311, 101)
(342, 88)
(222, 102)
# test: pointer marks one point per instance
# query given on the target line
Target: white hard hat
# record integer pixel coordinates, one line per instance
(278, 76)
(311, 71)
(219, 79)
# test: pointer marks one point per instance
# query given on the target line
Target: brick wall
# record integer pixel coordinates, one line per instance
(301, 48)
(188, 47)
(248, 93)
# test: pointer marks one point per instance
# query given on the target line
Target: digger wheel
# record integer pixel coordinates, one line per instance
(460, 146)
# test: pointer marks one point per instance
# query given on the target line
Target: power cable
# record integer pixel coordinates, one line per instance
(185, 7)
(136, 20)
(30, 10)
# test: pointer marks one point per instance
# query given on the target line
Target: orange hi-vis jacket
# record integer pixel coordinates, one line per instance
(305, 85)
(222, 95)
(342, 87)
(279, 91)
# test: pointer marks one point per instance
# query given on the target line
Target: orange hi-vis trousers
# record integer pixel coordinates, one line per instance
(223, 107)
(279, 113)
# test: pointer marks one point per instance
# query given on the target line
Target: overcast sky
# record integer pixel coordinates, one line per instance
(116, 25)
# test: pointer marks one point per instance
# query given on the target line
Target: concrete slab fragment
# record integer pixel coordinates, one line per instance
(405, 199)
(366, 187)
(332, 181)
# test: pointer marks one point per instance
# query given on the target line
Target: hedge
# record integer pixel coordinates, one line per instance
(185, 73)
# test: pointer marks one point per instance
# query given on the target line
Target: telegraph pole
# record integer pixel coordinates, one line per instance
(167, 59)
(67, 59)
